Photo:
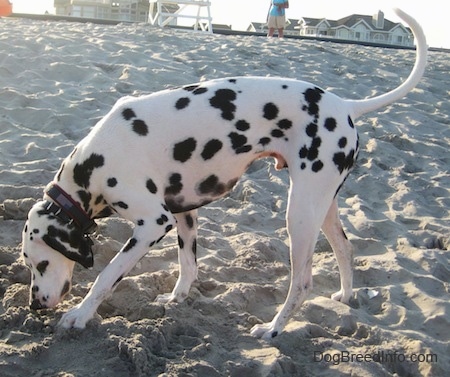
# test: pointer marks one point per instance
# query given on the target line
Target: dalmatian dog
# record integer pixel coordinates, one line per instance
(156, 159)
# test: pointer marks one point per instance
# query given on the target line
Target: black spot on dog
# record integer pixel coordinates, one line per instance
(270, 111)
(317, 166)
(238, 143)
(189, 221)
(112, 182)
(284, 86)
(311, 129)
(120, 204)
(264, 141)
(99, 200)
(169, 228)
(65, 289)
(211, 148)
(82, 172)
(177, 205)
(312, 152)
(194, 248)
(303, 152)
(105, 212)
(212, 186)
(151, 186)
(175, 185)
(162, 219)
(85, 198)
(195, 89)
(140, 127)
(223, 100)
(343, 161)
(61, 169)
(312, 97)
(140, 222)
(129, 245)
(42, 267)
(182, 103)
(183, 150)
(233, 81)
(342, 142)
(277, 133)
(128, 114)
(244, 149)
(350, 122)
(242, 125)
(237, 140)
(73, 153)
(180, 242)
(330, 124)
(284, 124)
(341, 185)
(118, 280)
(314, 149)
(343, 233)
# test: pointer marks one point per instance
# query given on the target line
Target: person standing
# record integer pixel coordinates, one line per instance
(277, 17)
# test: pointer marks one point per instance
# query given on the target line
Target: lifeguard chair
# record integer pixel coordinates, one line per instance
(168, 11)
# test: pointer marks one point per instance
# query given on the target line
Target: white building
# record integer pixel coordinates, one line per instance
(358, 28)
(121, 10)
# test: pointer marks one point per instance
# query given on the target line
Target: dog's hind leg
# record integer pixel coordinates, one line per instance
(305, 214)
(187, 257)
(343, 250)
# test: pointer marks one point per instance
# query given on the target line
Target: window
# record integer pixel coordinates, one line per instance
(88, 12)
(76, 11)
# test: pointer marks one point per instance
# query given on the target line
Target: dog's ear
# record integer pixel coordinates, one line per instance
(71, 243)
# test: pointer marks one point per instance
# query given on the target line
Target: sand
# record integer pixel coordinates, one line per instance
(58, 79)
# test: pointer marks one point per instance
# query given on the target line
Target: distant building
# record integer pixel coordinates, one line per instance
(355, 27)
(291, 27)
(121, 10)
(221, 27)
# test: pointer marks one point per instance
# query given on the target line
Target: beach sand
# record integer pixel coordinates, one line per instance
(58, 79)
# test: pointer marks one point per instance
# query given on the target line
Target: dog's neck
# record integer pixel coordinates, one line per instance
(86, 198)
(64, 206)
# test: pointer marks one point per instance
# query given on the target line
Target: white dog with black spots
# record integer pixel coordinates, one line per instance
(156, 159)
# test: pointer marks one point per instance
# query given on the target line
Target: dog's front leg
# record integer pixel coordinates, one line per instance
(187, 257)
(135, 248)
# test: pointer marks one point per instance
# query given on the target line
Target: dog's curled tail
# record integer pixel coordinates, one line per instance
(364, 106)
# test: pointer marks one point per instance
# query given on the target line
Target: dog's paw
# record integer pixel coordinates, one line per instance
(169, 298)
(265, 331)
(76, 317)
(341, 296)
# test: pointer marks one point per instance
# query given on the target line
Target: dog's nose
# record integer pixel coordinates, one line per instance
(36, 305)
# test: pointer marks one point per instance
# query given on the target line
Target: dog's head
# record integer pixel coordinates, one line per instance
(50, 248)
